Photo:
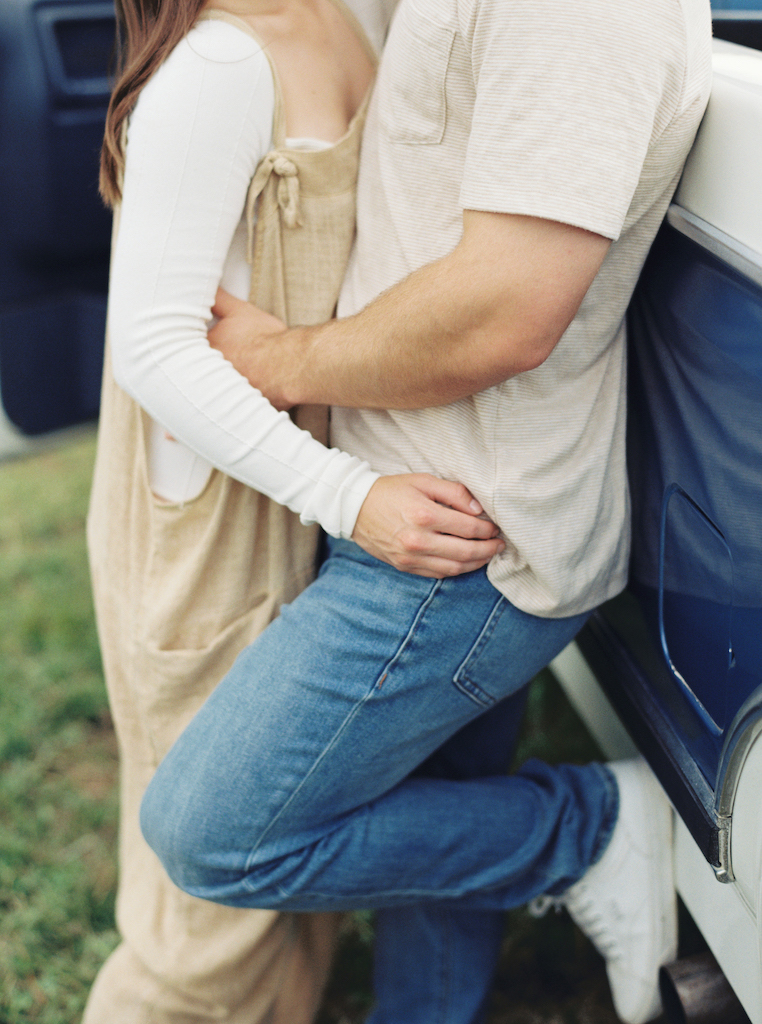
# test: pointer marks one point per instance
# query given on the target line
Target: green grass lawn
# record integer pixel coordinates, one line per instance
(57, 752)
(58, 808)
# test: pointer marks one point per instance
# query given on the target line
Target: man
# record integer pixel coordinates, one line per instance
(518, 159)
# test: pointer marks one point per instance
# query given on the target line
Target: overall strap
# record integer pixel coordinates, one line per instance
(274, 162)
(279, 117)
(287, 192)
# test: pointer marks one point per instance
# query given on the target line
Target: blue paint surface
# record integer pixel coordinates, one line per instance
(695, 464)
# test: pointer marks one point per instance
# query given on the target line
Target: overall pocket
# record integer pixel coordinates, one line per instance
(216, 571)
(171, 685)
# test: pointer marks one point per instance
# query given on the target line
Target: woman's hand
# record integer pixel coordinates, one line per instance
(426, 526)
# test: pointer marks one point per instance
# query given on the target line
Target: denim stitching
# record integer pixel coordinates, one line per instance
(445, 975)
(461, 680)
(612, 814)
(410, 633)
(405, 896)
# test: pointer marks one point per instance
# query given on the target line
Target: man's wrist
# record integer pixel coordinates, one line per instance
(294, 378)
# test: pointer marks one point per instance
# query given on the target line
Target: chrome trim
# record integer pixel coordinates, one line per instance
(737, 255)
(744, 731)
(669, 492)
(723, 871)
(737, 14)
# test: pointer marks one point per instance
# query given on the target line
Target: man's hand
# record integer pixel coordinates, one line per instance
(425, 526)
(245, 335)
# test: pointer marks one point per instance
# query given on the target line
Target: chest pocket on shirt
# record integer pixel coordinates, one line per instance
(411, 89)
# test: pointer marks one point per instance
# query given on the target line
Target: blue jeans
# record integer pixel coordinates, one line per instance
(318, 775)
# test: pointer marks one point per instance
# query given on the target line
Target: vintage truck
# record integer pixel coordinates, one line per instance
(54, 231)
(677, 658)
(673, 667)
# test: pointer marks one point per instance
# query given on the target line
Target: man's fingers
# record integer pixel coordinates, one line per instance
(254, 320)
(224, 303)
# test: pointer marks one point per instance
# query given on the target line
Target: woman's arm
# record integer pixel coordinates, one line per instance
(196, 136)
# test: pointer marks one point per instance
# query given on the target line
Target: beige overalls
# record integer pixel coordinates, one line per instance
(179, 591)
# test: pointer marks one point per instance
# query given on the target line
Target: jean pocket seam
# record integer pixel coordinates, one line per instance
(463, 680)
(474, 692)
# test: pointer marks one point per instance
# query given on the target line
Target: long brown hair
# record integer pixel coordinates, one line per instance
(147, 31)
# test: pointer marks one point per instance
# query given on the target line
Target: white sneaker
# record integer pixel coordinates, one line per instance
(625, 903)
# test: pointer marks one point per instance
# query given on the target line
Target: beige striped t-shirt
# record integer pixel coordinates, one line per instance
(577, 112)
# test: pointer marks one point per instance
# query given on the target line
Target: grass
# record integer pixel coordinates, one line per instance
(58, 806)
(57, 752)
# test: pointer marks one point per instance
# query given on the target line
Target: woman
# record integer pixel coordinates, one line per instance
(244, 128)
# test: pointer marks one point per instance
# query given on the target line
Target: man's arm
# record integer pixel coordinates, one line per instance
(493, 308)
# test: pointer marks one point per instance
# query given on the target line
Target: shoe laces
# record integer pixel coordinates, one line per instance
(588, 915)
(540, 905)
(594, 919)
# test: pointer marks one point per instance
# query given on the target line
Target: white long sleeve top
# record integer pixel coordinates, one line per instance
(199, 129)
